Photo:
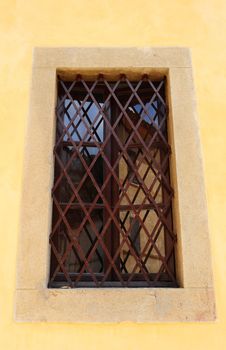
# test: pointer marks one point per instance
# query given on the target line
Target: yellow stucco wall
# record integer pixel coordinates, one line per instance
(199, 24)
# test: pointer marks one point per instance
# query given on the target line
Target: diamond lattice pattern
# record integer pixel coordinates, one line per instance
(112, 216)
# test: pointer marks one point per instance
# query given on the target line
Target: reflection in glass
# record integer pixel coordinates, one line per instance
(85, 238)
(86, 120)
(78, 175)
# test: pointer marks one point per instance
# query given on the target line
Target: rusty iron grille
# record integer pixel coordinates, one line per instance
(112, 198)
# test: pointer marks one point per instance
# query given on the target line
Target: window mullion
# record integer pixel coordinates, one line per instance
(115, 235)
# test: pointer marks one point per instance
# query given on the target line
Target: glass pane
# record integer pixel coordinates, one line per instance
(85, 236)
(141, 238)
(77, 176)
(140, 176)
(84, 119)
(138, 173)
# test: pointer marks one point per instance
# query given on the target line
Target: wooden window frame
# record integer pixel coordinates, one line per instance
(194, 300)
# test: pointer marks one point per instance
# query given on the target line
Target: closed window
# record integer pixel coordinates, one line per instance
(112, 197)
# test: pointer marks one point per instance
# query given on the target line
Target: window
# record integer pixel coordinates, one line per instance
(69, 75)
(112, 135)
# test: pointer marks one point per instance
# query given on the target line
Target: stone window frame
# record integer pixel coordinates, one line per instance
(194, 300)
